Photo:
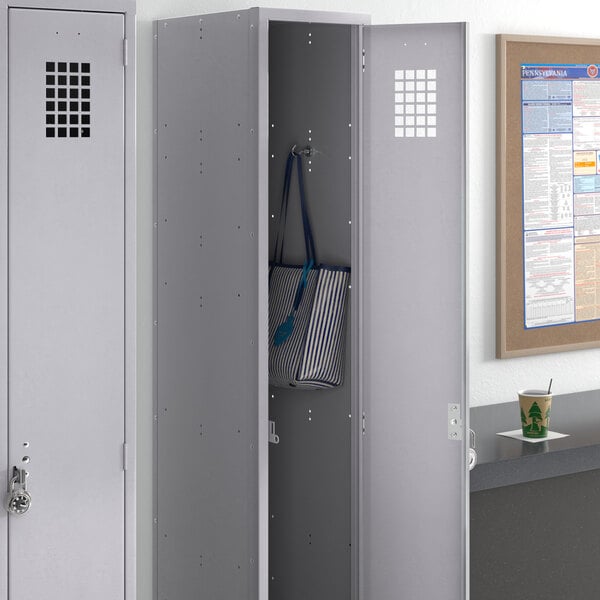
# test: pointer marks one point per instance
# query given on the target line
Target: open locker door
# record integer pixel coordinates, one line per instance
(414, 475)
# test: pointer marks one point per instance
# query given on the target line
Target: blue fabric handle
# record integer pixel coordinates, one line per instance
(309, 243)
(285, 197)
(302, 284)
(285, 329)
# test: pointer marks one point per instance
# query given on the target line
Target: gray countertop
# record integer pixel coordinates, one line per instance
(504, 461)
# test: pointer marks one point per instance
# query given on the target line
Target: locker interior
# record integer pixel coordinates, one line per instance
(310, 489)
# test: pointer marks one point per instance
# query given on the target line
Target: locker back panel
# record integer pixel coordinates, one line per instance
(310, 468)
(67, 301)
(207, 358)
(413, 289)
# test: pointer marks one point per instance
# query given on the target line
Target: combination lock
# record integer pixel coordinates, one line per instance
(18, 499)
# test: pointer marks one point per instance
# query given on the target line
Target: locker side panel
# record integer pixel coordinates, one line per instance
(414, 492)
(207, 286)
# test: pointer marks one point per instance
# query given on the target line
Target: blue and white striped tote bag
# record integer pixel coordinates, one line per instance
(307, 310)
(313, 355)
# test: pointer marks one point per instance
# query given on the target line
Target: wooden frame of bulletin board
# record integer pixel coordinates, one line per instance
(513, 337)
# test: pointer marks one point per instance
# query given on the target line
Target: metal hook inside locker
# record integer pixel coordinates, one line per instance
(308, 151)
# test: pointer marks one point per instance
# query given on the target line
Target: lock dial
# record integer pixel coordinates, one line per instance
(18, 499)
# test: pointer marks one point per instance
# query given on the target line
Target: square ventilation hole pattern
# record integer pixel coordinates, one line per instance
(415, 102)
(67, 99)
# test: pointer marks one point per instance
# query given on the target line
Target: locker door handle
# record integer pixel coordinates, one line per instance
(472, 451)
(18, 499)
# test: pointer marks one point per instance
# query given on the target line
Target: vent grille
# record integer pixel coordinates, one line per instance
(67, 99)
(415, 101)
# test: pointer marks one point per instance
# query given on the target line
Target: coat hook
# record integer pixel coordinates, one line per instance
(308, 151)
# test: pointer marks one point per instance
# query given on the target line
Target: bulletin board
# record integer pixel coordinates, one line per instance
(548, 195)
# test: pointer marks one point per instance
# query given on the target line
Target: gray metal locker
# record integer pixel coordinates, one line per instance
(365, 495)
(67, 298)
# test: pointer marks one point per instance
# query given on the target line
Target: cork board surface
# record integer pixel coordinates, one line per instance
(512, 338)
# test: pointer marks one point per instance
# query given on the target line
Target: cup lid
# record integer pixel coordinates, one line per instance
(534, 393)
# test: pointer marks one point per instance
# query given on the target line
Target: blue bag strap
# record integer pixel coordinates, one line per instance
(285, 197)
(302, 284)
(309, 243)
(286, 328)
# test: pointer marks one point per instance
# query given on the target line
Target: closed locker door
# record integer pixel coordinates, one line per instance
(66, 303)
(413, 534)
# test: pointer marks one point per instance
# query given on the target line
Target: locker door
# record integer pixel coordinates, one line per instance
(66, 302)
(413, 539)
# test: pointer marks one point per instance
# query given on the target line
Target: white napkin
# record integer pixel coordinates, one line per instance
(517, 434)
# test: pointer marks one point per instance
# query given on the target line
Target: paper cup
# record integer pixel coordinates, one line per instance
(535, 408)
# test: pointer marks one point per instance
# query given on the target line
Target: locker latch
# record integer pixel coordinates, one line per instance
(472, 451)
(18, 499)
(273, 437)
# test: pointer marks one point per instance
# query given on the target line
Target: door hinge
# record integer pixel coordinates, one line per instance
(455, 424)
(124, 457)
(125, 52)
(364, 60)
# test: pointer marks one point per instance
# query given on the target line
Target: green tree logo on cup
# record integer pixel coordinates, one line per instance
(535, 415)
(535, 408)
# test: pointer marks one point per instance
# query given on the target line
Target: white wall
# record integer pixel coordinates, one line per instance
(491, 380)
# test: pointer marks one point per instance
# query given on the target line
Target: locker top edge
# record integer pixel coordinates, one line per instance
(113, 6)
(460, 24)
(284, 14)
